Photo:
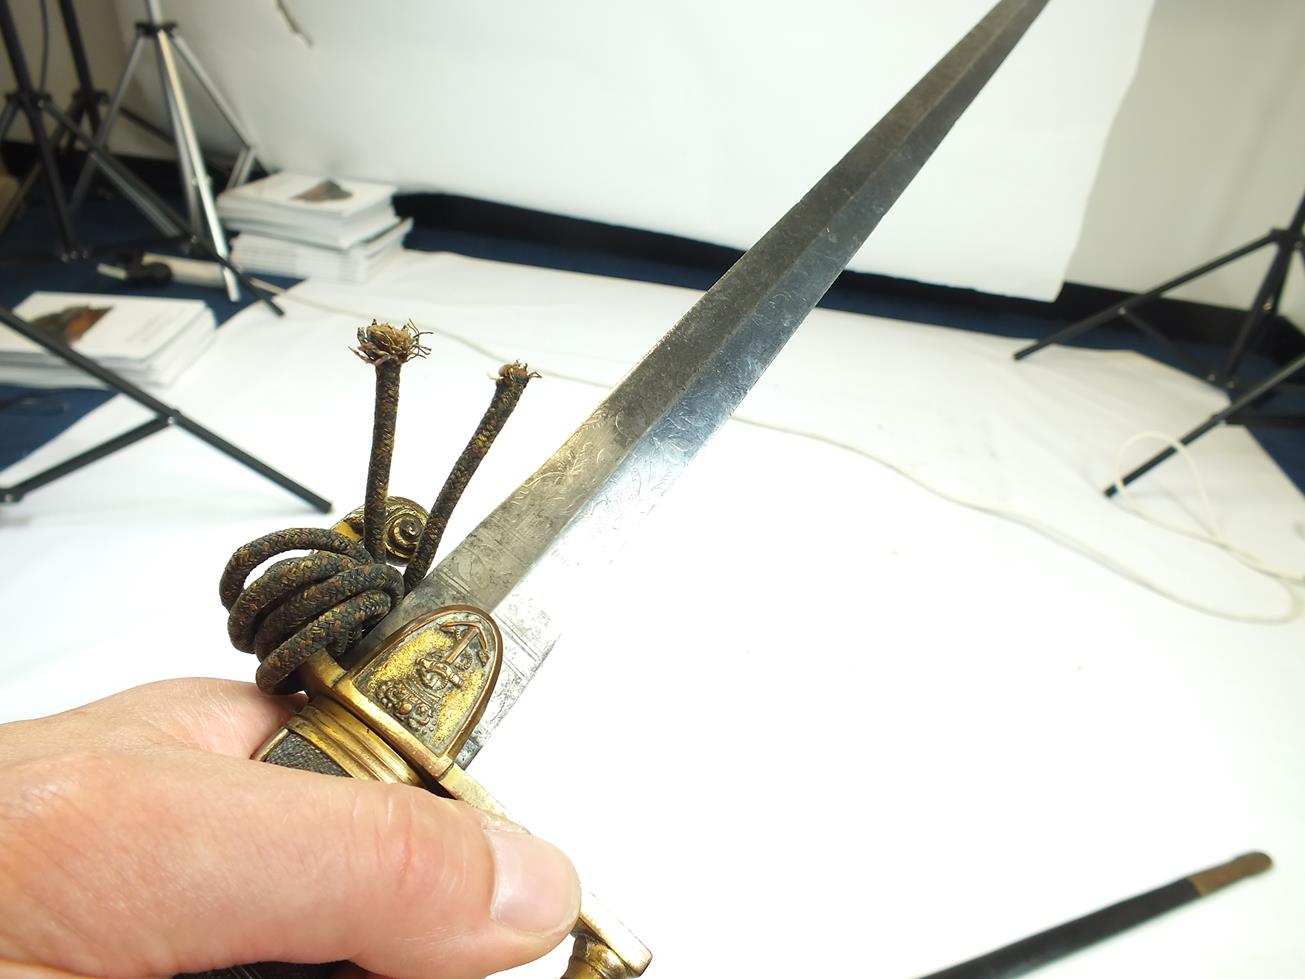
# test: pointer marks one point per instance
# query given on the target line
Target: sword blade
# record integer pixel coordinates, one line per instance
(526, 562)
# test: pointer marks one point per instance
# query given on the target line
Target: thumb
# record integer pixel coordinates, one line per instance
(175, 860)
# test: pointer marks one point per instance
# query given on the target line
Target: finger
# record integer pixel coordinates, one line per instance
(10, 970)
(227, 717)
(157, 863)
(223, 716)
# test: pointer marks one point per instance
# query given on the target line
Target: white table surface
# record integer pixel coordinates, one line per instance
(852, 728)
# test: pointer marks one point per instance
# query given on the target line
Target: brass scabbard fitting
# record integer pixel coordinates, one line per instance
(591, 959)
(404, 714)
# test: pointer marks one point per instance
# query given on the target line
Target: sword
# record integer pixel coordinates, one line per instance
(416, 699)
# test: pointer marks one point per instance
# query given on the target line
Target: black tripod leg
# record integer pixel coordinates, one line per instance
(86, 87)
(60, 148)
(102, 130)
(1262, 311)
(1254, 394)
(49, 167)
(257, 465)
(15, 201)
(7, 117)
(1142, 298)
(14, 493)
(165, 415)
(30, 103)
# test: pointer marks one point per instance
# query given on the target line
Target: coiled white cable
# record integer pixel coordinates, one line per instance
(1213, 534)
(1067, 540)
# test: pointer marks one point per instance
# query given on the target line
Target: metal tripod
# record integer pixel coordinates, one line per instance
(170, 48)
(1287, 241)
(35, 107)
(85, 103)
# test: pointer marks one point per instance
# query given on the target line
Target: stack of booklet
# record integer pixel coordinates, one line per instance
(302, 225)
(147, 341)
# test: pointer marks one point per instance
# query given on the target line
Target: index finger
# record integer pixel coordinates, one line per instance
(226, 717)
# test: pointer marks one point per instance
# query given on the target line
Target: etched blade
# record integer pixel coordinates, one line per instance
(526, 561)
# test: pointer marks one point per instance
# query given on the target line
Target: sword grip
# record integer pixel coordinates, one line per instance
(269, 970)
(312, 741)
(325, 738)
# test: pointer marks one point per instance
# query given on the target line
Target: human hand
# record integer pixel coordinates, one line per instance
(138, 839)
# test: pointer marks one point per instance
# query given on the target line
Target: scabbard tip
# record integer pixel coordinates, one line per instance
(1247, 865)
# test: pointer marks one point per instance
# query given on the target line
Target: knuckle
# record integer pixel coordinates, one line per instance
(413, 847)
(391, 831)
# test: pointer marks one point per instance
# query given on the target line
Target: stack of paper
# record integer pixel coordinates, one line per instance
(147, 341)
(277, 256)
(303, 224)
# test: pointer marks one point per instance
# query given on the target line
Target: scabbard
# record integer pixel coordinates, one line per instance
(1037, 950)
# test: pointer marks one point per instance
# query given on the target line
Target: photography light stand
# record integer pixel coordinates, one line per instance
(1268, 298)
(165, 416)
(171, 48)
(35, 106)
(85, 102)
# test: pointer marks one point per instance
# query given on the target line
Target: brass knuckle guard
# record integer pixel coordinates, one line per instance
(403, 715)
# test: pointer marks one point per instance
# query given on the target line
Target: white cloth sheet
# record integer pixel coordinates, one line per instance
(834, 703)
(706, 120)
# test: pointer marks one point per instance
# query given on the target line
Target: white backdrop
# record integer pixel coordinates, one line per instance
(704, 120)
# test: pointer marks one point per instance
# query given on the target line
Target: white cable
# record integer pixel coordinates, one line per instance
(1059, 536)
(1215, 535)
(457, 338)
(1049, 531)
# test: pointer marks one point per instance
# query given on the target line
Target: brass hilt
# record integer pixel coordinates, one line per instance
(602, 940)
(591, 959)
(403, 716)
(400, 530)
